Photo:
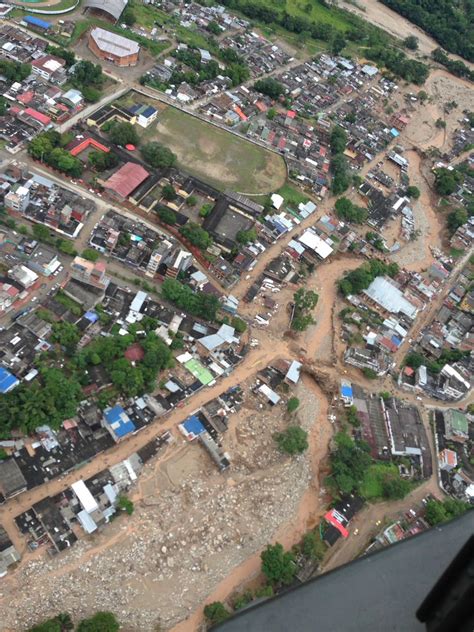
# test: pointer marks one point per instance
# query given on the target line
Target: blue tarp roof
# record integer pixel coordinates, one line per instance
(396, 340)
(394, 132)
(193, 425)
(119, 421)
(7, 380)
(31, 19)
(346, 391)
(92, 316)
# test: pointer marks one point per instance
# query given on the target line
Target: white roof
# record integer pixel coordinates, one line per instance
(269, 394)
(52, 65)
(87, 500)
(277, 200)
(114, 44)
(389, 297)
(138, 301)
(293, 373)
(314, 242)
(87, 522)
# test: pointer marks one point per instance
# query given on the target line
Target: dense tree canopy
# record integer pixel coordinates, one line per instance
(269, 87)
(47, 148)
(447, 180)
(338, 140)
(278, 565)
(438, 511)
(14, 70)
(123, 134)
(293, 440)
(450, 23)
(350, 212)
(195, 303)
(157, 155)
(349, 462)
(196, 235)
(102, 160)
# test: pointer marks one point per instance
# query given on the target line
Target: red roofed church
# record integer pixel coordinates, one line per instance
(125, 180)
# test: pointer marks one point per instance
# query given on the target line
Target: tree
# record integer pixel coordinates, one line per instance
(246, 236)
(456, 219)
(123, 134)
(90, 254)
(125, 504)
(67, 335)
(239, 325)
(41, 232)
(102, 160)
(214, 28)
(215, 612)
(128, 16)
(271, 113)
(206, 210)
(169, 192)
(191, 200)
(166, 215)
(447, 180)
(196, 235)
(278, 565)
(158, 156)
(338, 42)
(338, 140)
(100, 622)
(293, 440)
(313, 547)
(87, 74)
(4, 105)
(305, 299)
(369, 373)
(350, 212)
(293, 404)
(195, 303)
(437, 511)
(411, 42)
(90, 94)
(394, 487)
(413, 192)
(270, 87)
(349, 462)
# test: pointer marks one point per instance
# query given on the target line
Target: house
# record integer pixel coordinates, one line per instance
(89, 272)
(7, 381)
(456, 426)
(118, 423)
(49, 67)
(145, 114)
(447, 460)
(223, 337)
(293, 374)
(12, 481)
(384, 293)
(8, 554)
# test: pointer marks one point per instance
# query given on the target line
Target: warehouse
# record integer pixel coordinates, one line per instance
(112, 47)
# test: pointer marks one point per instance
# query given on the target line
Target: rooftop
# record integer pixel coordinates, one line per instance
(114, 44)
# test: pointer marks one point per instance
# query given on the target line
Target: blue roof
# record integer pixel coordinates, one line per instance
(119, 422)
(394, 132)
(149, 111)
(31, 19)
(91, 316)
(346, 391)
(396, 340)
(7, 380)
(193, 425)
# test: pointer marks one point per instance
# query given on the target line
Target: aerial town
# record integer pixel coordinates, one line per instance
(236, 304)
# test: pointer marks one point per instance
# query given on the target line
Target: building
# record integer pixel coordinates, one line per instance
(447, 459)
(113, 8)
(90, 272)
(17, 199)
(8, 554)
(112, 47)
(37, 23)
(7, 381)
(12, 481)
(145, 114)
(384, 293)
(49, 67)
(23, 275)
(456, 426)
(125, 180)
(118, 423)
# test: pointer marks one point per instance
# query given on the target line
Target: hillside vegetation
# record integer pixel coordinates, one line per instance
(450, 22)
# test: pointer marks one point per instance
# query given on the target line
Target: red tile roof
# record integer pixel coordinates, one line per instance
(38, 116)
(126, 179)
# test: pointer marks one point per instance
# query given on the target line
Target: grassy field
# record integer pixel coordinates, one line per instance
(371, 488)
(217, 156)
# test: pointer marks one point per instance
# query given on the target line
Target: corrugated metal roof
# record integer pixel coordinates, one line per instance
(113, 43)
